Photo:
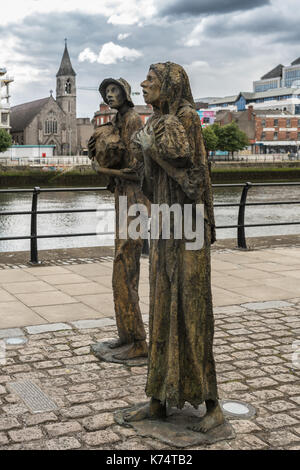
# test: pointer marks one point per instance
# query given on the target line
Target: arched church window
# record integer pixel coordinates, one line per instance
(68, 87)
(50, 126)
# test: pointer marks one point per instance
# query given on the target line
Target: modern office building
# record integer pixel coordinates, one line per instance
(280, 99)
(278, 89)
(5, 81)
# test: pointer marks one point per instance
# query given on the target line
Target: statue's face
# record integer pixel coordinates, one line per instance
(151, 88)
(114, 95)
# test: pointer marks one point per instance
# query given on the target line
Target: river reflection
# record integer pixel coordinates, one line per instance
(18, 225)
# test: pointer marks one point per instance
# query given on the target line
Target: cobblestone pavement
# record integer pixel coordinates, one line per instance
(63, 307)
(253, 352)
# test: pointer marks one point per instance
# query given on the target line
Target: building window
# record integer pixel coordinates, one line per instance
(68, 87)
(275, 137)
(298, 138)
(263, 135)
(287, 136)
(288, 123)
(275, 122)
(50, 126)
(4, 118)
(263, 122)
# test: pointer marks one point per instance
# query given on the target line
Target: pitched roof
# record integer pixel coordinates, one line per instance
(22, 114)
(226, 99)
(65, 65)
(274, 73)
(296, 62)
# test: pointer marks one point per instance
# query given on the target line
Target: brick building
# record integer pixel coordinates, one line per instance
(276, 132)
(105, 113)
(244, 119)
(268, 131)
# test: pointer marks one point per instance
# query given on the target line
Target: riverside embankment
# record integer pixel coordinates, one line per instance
(222, 172)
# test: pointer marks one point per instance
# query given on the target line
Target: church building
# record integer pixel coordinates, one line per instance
(48, 121)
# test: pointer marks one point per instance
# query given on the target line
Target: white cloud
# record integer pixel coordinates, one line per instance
(87, 55)
(122, 36)
(196, 35)
(110, 53)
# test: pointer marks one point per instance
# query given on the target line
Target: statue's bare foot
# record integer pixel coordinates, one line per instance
(153, 410)
(116, 344)
(137, 415)
(137, 349)
(213, 418)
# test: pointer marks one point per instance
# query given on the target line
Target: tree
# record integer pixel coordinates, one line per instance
(210, 139)
(231, 138)
(5, 140)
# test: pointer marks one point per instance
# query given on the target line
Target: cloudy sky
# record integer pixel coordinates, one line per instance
(223, 44)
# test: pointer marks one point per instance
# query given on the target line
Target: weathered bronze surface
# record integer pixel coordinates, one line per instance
(174, 430)
(105, 353)
(174, 169)
(109, 146)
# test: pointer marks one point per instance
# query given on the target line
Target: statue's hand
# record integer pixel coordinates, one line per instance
(145, 138)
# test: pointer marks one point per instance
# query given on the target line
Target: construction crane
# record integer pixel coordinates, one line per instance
(91, 88)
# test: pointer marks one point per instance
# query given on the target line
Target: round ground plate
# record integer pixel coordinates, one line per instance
(237, 409)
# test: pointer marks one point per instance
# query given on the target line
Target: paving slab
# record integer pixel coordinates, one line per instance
(37, 329)
(45, 298)
(16, 314)
(27, 287)
(11, 333)
(267, 305)
(67, 312)
(85, 324)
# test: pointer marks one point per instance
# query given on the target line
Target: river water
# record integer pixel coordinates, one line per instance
(17, 225)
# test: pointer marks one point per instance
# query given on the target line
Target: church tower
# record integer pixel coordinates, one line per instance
(66, 99)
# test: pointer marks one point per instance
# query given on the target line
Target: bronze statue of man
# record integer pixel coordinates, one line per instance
(110, 146)
(181, 366)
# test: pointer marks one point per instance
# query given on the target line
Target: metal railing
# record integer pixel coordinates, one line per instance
(241, 237)
(33, 237)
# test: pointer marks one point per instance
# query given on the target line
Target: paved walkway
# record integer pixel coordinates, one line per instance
(61, 310)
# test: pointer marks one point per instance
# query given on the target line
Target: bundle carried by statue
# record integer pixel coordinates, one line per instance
(105, 146)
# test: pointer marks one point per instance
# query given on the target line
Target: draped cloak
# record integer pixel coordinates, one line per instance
(181, 366)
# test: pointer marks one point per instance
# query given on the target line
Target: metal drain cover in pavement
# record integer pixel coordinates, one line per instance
(237, 409)
(36, 400)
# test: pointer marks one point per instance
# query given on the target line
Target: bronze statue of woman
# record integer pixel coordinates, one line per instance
(109, 146)
(181, 366)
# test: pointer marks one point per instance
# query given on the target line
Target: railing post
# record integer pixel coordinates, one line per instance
(33, 228)
(145, 249)
(241, 238)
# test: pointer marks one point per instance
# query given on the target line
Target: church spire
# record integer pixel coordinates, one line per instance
(65, 65)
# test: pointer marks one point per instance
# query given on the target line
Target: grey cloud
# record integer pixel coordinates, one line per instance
(233, 62)
(208, 7)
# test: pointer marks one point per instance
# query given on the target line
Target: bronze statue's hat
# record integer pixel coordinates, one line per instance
(121, 82)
